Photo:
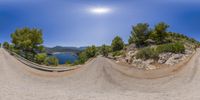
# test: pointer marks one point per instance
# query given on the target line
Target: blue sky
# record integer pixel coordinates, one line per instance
(71, 22)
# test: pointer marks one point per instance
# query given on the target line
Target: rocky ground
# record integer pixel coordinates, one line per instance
(165, 59)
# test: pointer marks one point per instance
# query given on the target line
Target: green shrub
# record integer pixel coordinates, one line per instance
(173, 47)
(153, 53)
(104, 50)
(117, 44)
(68, 62)
(40, 58)
(91, 51)
(147, 53)
(118, 53)
(51, 61)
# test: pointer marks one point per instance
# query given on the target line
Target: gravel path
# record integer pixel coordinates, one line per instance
(97, 80)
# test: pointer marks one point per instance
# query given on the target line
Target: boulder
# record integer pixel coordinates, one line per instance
(151, 67)
(131, 47)
(174, 59)
(164, 57)
(141, 64)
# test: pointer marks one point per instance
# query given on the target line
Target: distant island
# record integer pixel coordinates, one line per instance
(57, 49)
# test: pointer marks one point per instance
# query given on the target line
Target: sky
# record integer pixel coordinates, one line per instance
(96, 22)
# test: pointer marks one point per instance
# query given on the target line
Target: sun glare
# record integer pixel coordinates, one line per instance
(100, 10)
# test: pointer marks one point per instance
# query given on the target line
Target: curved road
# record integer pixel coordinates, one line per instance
(97, 80)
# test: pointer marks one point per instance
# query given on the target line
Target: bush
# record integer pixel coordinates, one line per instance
(147, 53)
(90, 51)
(68, 62)
(173, 47)
(153, 53)
(51, 61)
(86, 54)
(104, 50)
(117, 44)
(118, 53)
(40, 58)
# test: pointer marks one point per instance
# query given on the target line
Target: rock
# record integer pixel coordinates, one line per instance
(177, 56)
(123, 60)
(149, 61)
(110, 56)
(150, 67)
(138, 63)
(164, 57)
(188, 52)
(131, 47)
(174, 59)
(128, 59)
(141, 64)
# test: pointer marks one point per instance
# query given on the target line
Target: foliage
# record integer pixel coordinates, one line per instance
(68, 62)
(28, 40)
(147, 53)
(51, 61)
(6, 45)
(91, 51)
(104, 50)
(117, 44)
(139, 34)
(172, 47)
(153, 53)
(118, 53)
(40, 58)
(160, 32)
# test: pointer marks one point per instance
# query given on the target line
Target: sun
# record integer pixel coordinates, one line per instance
(100, 10)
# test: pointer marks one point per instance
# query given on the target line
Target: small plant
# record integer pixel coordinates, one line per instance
(147, 53)
(51, 61)
(172, 47)
(40, 58)
(68, 62)
(118, 53)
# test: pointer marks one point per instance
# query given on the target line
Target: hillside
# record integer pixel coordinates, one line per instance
(64, 49)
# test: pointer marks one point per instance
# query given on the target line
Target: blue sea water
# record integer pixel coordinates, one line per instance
(66, 56)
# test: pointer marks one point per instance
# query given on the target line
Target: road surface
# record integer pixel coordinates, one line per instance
(97, 80)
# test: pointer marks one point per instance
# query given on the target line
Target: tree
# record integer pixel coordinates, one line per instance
(6, 45)
(91, 51)
(161, 32)
(139, 34)
(104, 50)
(28, 40)
(117, 44)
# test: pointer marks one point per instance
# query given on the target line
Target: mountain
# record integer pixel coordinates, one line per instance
(64, 49)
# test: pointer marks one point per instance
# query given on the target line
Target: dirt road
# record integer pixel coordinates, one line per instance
(97, 80)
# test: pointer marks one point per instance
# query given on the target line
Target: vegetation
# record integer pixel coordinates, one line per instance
(40, 58)
(28, 41)
(153, 52)
(68, 62)
(104, 50)
(53, 61)
(6, 45)
(117, 44)
(160, 32)
(172, 47)
(118, 53)
(147, 53)
(139, 34)
(88, 53)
